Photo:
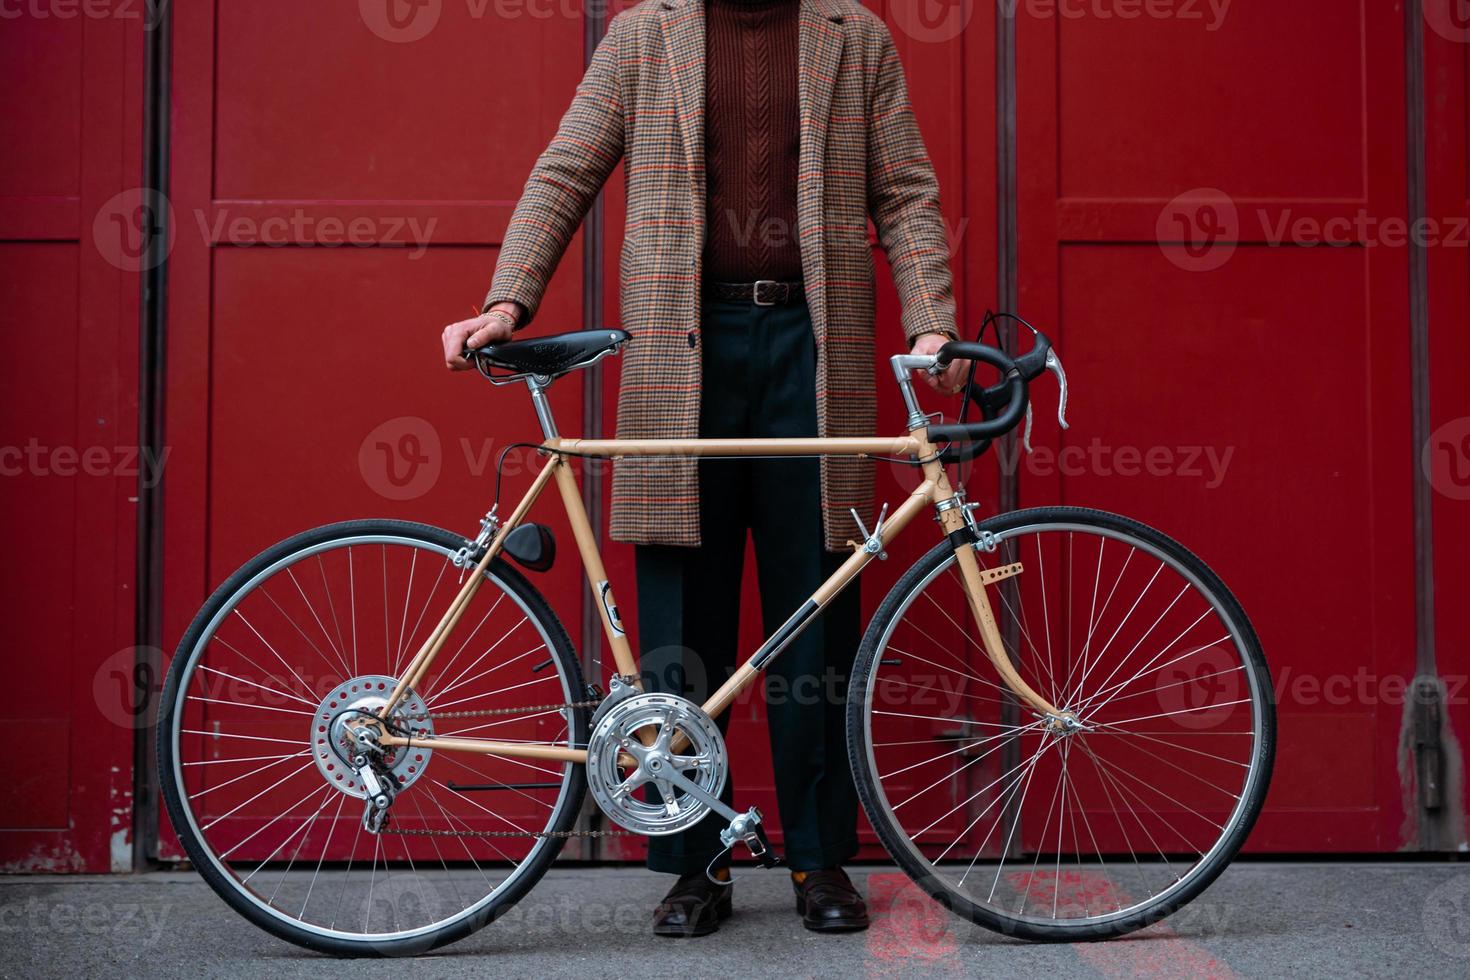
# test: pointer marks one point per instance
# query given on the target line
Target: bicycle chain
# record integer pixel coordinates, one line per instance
(499, 834)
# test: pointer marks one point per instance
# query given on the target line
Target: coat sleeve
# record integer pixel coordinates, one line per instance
(564, 183)
(903, 199)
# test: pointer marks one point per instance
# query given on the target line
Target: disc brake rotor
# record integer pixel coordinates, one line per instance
(635, 742)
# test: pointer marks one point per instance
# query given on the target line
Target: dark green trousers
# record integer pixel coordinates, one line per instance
(759, 382)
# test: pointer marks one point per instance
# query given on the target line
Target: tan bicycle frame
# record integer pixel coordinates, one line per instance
(934, 491)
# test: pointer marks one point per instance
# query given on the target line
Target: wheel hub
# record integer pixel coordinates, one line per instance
(341, 712)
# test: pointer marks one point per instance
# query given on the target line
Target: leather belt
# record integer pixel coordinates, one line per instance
(765, 292)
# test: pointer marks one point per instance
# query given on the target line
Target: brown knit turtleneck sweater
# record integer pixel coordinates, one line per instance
(752, 140)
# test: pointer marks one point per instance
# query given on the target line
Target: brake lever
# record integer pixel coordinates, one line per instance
(1054, 365)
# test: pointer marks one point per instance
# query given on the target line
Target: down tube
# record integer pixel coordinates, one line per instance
(718, 702)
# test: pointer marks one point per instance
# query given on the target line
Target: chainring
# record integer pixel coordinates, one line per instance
(632, 742)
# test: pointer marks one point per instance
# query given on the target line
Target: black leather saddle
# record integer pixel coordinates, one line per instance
(549, 356)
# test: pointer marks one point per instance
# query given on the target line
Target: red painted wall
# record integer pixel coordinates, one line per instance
(341, 183)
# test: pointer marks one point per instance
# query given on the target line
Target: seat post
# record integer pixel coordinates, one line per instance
(539, 385)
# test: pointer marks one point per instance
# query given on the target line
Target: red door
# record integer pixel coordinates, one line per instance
(1235, 381)
(1445, 455)
(342, 180)
(71, 223)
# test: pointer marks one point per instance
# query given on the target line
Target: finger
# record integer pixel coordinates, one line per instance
(484, 335)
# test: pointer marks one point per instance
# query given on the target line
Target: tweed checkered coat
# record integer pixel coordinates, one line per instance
(861, 156)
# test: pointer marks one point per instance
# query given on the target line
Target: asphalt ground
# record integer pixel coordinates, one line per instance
(1259, 920)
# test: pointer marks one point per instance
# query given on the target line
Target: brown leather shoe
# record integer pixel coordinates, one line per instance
(693, 907)
(828, 902)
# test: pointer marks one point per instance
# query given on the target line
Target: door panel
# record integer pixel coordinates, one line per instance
(69, 470)
(342, 183)
(1172, 178)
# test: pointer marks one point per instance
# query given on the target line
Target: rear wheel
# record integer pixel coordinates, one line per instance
(1064, 835)
(261, 789)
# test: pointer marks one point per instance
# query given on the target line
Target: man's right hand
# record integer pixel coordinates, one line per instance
(475, 333)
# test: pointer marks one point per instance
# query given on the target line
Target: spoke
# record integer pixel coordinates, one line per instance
(326, 799)
(341, 659)
(519, 792)
(1183, 806)
(477, 806)
(268, 825)
(491, 649)
(1030, 879)
(1095, 623)
(332, 606)
(326, 845)
(954, 721)
(1123, 794)
(442, 705)
(1020, 809)
(1182, 748)
(252, 758)
(1165, 687)
(444, 668)
(240, 806)
(1181, 711)
(1155, 658)
(252, 738)
(428, 599)
(971, 798)
(247, 704)
(352, 608)
(403, 624)
(1188, 772)
(304, 686)
(1045, 614)
(263, 687)
(1164, 666)
(969, 744)
(1082, 682)
(269, 676)
(962, 694)
(246, 775)
(962, 673)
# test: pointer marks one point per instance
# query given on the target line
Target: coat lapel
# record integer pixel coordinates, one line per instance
(683, 25)
(820, 56)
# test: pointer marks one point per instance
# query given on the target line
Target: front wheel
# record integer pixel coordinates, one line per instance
(256, 757)
(1064, 835)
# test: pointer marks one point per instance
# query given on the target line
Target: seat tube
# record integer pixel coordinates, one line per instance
(538, 387)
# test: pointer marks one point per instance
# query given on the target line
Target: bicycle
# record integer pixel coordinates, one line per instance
(358, 787)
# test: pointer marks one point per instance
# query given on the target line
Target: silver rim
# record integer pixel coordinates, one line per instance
(1070, 873)
(392, 887)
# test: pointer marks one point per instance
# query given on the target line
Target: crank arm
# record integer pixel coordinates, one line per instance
(693, 789)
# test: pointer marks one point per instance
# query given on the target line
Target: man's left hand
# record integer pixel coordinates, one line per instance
(952, 379)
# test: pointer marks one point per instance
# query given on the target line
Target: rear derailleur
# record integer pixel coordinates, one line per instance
(377, 779)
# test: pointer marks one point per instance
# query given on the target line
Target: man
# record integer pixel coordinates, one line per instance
(759, 137)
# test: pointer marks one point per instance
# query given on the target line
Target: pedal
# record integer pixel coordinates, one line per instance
(746, 829)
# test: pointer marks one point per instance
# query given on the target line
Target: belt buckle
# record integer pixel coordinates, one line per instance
(756, 292)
